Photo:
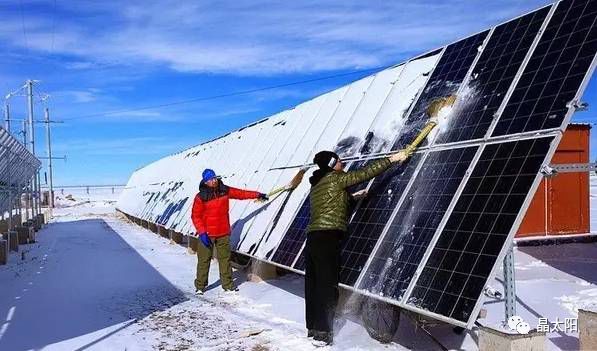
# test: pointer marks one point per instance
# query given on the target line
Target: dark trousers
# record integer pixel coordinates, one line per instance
(322, 270)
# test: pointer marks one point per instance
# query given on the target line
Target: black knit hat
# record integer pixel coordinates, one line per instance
(325, 159)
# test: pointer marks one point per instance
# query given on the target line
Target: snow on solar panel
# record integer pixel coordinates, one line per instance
(378, 137)
(254, 223)
(351, 137)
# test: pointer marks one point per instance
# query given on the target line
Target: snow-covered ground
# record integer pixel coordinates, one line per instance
(95, 281)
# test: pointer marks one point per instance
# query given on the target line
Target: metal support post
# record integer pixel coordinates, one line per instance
(28, 202)
(38, 191)
(509, 285)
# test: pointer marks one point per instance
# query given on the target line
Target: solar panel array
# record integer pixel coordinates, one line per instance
(17, 167)
(431, 231)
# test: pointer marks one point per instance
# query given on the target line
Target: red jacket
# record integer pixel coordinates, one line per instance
(211, 205)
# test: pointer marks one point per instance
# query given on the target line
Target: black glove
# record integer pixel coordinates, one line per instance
(263, 197)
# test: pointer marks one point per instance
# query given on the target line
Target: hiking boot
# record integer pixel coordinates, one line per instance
(199, 292)
(321, 338)
(233, 290)
(310, 333)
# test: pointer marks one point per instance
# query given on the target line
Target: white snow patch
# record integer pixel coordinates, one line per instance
(584, 299)
(536, 264)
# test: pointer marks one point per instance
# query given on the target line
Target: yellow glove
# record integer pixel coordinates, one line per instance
(400, 156)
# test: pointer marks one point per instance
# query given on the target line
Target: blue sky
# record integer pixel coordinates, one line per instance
(94, 57)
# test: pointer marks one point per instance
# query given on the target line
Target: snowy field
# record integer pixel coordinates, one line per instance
(95, 281)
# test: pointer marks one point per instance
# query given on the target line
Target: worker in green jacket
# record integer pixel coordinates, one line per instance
(327, 226)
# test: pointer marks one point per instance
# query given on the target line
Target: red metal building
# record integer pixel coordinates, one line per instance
(561, 204)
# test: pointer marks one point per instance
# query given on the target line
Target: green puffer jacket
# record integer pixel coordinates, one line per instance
(329, 198)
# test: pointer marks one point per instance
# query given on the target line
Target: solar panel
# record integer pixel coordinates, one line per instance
(478, 227)
(451, 70)
(555, 71)
(295, 237)
(371, 216)
(491, 77)
(17, 167)
(374, 212)
(410, 232)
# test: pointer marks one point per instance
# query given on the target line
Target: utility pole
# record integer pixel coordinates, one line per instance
(30, 114)
(51, 195)
(35, 181)
(28, 191)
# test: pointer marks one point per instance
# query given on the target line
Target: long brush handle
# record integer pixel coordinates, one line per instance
(277, 191)
(422, 135)
(296, 180)
(374, 156)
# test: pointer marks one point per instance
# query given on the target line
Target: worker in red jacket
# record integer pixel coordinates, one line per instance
(212, 223)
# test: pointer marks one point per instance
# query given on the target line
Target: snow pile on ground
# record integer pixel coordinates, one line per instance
(94, 197)
(95, 281)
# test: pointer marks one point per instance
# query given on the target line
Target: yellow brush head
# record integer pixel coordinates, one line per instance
(437, 104)
(297, 178)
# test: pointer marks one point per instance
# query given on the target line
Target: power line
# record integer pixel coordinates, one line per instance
(220, 96)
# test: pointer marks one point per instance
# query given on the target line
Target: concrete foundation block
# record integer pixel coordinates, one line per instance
(3, 226)
(175, 237)
(587, 329)
(193, 242)
(32, 223)
(35, 223)
(496, 340)
(41, 219)
(163, 232)
(32, 236)
(261, 271)
(3, 251)
(13, 240)
(16, 219)
(23, 233)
